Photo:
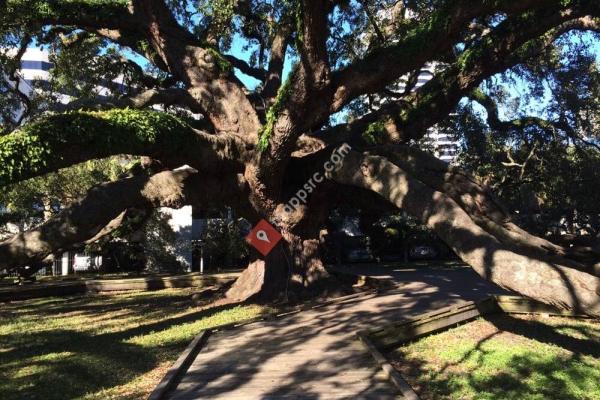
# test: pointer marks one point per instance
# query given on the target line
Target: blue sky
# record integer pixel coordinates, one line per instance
(238, 50)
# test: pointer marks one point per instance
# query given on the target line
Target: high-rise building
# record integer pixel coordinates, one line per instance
(443, 145)
(35, 65)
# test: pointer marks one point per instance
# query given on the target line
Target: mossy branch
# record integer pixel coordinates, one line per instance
(61, 140)
(223, 64)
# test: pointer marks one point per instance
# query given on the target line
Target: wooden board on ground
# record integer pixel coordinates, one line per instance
(48, 289)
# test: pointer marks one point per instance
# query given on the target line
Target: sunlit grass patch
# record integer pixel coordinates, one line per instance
(505, 357)
(100, 347)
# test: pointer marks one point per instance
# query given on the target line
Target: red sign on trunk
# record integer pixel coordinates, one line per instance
(263, 237)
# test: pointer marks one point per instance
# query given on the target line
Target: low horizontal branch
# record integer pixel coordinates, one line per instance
(88, 217)
(61, 140)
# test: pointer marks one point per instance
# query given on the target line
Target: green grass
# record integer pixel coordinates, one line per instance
(100, 347)
(505, 357)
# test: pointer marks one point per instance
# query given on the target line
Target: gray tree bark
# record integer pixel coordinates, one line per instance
(550, 282)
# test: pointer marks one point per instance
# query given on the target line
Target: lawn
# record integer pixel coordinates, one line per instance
(506, 357)
(100, 347)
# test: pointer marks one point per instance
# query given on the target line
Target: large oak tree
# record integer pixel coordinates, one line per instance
(254, 149)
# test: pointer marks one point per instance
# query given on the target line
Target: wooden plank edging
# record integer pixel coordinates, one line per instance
(180, 367)
(69, 288)
(425, 324)
(523, 305)
(413, 328)
(391, 373)
(395, 334)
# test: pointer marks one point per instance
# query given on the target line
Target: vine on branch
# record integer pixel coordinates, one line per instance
(283, 95)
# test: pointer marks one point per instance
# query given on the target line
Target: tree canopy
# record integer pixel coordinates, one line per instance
(253, 96)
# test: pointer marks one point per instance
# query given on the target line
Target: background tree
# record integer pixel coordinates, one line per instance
(33, 201)
(224, 243)
(544, 167)
(256, 145)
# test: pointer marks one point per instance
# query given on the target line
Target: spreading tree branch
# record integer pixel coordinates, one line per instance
(62, 140)
(274, 76)
(490, 257)
(428, 40)
(86, 218)
(551, 127)
(149, 27)
(243, 66)
(144, 99)
(516, 39)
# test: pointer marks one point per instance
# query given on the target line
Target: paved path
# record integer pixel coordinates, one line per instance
(315, 354)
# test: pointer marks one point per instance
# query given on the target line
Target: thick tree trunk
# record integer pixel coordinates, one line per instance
(536, 277)
(264, 279)
(294, 265)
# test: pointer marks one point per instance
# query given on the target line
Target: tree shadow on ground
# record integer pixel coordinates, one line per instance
(315, 354)
(69, 362)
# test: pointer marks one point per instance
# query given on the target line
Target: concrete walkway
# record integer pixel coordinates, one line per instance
(315, 354)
